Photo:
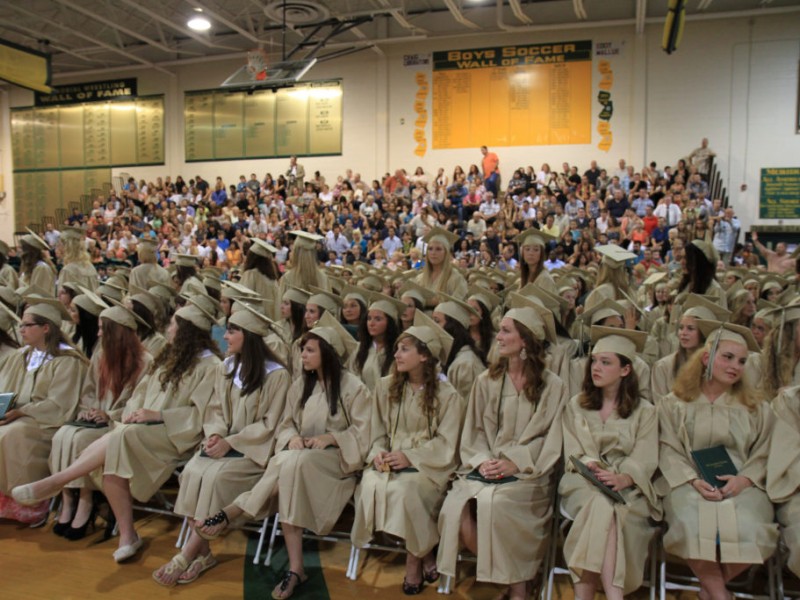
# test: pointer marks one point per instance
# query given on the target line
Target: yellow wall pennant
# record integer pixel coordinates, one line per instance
(422, 115)
(604, 98)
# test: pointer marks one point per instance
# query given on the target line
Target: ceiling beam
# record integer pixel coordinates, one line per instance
(225, 21)
(126, 30)
(38, 36)
(641, 15)
(459, 16)
(170, 23)
(72, 31)
(516, 8)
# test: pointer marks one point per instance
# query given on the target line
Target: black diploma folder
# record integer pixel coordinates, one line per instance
(476, 476)
(712, 462)
(587, 474)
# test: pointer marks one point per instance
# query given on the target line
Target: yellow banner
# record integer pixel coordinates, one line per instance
(24, 67)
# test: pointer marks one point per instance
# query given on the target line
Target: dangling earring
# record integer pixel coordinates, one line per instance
(523, 355)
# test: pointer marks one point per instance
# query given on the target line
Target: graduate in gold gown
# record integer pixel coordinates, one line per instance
(464, 363)
(46, 376)
(36, 269)
(501, 503)
(160, 426)
(438, 274)
(416, 422)
(377, 335)
(250, 389)
(321, 444)
(783, 471)
(261, 275)
(612, 430)
(718, 529)
(116, 368)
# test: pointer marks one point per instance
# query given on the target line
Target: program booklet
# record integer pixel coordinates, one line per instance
(6, 403)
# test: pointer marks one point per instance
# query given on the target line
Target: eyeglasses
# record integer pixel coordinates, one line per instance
(27, 325)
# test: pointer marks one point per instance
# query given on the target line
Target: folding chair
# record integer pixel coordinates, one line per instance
(778, 571)
(355, 553)
(333, 536)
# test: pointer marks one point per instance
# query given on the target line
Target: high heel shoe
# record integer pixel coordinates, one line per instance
(73, 534)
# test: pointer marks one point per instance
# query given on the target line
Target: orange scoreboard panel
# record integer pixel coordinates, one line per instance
(531, 95)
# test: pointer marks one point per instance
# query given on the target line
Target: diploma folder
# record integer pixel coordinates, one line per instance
(712, 462)
(587, 474)
(6, 402)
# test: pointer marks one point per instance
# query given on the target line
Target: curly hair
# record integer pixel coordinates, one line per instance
(182, 354)
(365, 343)
(533, 367)
(430, 378)
(591, 396)
(75, 251)
(689, 382)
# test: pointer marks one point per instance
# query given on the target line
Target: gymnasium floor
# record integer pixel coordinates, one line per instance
(39, 565)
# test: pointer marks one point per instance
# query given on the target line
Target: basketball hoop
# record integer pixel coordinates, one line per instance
(257, 64)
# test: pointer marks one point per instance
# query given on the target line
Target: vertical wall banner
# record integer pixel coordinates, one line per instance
(605, 50)
(420, 107)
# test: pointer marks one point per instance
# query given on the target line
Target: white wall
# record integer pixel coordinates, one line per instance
(734, 81)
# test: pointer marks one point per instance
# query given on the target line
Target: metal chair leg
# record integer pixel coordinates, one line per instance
(444, 586)
(262, 533)
(352, 567)
(184, 532)
(272, 540)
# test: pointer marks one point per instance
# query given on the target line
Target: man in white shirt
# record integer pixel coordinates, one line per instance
(668, 211)
(336, 242)
(392, 243)
(489, 207)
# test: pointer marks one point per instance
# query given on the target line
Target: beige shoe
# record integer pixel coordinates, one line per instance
(199, 565)
(124, 553)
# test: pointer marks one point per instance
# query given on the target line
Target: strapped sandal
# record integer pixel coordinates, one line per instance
(176, 566)
(198, 566)
(410, 589)
(282, 590)
(431, 574)
(218, 519)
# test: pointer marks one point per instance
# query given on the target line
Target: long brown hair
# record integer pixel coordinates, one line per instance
(181, 356)
(533, 366)
(122, 360)
(430, 378)
(55, 338)
(591, 396)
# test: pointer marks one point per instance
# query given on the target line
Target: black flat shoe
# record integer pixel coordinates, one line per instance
(412, 589)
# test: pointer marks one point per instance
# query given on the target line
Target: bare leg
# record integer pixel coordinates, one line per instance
(519, 591)
(587, 586)
(90, 459)
(67, 504)
(712, 581)
(84, 511)
(195, 546)
(732, 570)
(293, 536)
(429, 566)
(610, 564)
(469, 529)
(118, 492)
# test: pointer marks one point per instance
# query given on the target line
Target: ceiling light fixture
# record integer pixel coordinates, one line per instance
(199, 23)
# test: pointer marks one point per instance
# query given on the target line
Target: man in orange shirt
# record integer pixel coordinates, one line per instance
(491, 171)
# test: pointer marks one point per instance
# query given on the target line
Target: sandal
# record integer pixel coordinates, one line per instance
(218, 519)
(412, 589)
(198, 566)
(430, 575)
(175, 567)
(282, 590)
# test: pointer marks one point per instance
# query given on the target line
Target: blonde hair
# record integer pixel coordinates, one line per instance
(440, 285)
(304, 267)
(616, 277)
(688, 384)
(75, 252)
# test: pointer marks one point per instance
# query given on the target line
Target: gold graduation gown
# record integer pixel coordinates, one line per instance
(70, 440)
(314, 486)
(744, 524)
(266, 288)
(145, 454)
(154, 344)
(80, 273)
(48, 389)
(628, 446)
(406, 503)
(248, 423)
(371, 373)
(514, 517)
(9, 277)
(143, 276)
(783, 471)
(43, 277)
(455, 285)
(463, 371)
